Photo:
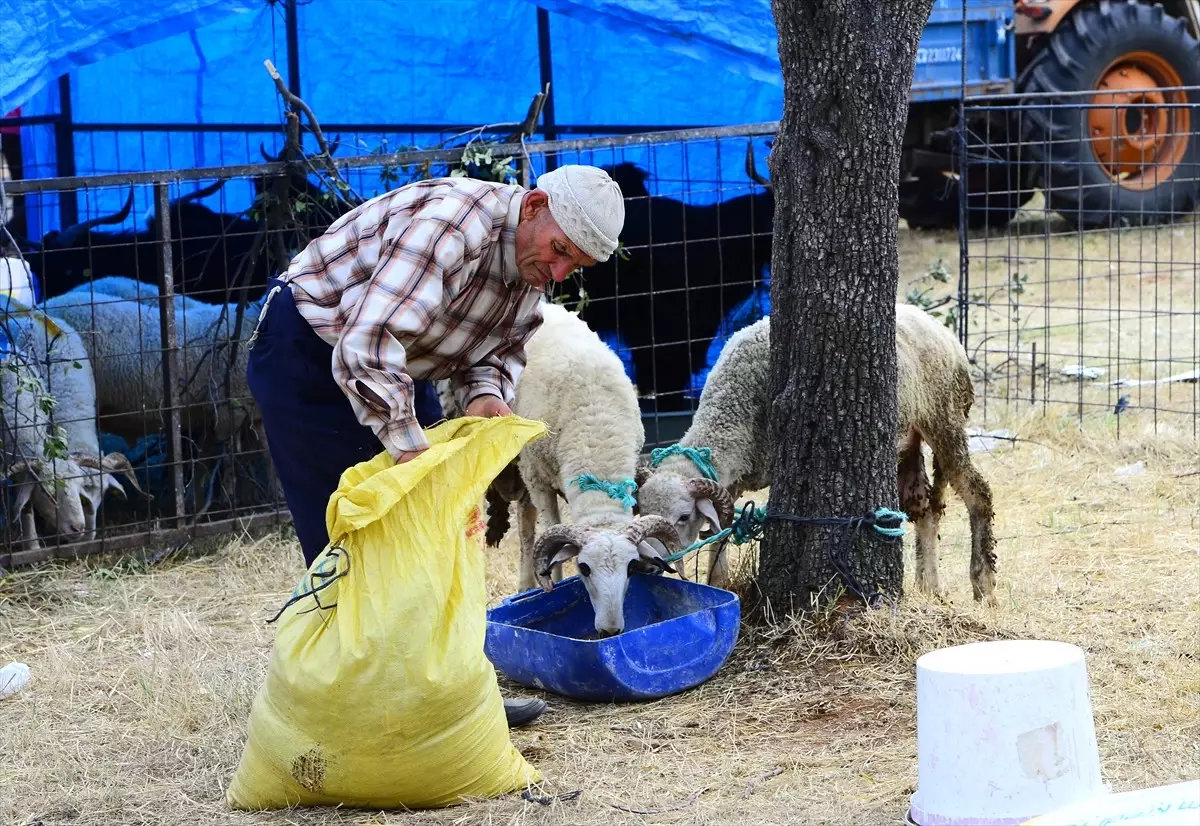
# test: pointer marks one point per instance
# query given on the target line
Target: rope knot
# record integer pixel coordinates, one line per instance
(889, 522)
(701, 457)
(621, 491)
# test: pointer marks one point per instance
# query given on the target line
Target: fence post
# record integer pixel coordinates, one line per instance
(170, 345)
(546, 74)
(64, 153)
(964, 252)
(292, 32)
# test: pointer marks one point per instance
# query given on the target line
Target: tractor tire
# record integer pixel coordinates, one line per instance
(1130, 157)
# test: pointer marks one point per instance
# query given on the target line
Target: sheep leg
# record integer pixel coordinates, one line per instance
(954, 457)
(912, 483)
(718, 565)
(528, 529)
(89, 522)
(229, 471)
(29, 534)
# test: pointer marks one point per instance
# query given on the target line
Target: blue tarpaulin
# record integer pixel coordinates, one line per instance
(660, 62)
(382, 61)
(438, 42)
(43, 40)
(375, 61)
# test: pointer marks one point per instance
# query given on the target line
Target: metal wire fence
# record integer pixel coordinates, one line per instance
(127, 415)
(1082, 299)
(1077, 293)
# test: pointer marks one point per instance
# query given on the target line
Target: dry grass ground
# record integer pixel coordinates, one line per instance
(143, 675)
(1122, 301)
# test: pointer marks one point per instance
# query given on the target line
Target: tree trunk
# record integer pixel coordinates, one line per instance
(835, 164)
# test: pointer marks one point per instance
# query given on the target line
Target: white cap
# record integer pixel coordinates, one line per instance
(588, 205)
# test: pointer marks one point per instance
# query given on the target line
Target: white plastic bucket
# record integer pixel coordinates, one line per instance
(1004, 733)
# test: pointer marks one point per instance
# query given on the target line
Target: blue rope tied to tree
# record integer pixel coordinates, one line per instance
(701, 457)
(750, 523)
(621, 491)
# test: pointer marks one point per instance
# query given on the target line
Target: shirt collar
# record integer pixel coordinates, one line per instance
(509, 237)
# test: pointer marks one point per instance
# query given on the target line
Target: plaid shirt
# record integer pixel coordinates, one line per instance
(420, 282)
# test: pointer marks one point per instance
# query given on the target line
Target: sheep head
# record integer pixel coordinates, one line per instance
(93, 486)
(53, 488)
(687, 504)
(605, 559)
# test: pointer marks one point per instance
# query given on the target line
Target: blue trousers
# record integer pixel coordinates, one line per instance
(312, 432)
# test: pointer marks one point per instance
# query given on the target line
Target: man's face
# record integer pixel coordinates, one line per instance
(544, 253)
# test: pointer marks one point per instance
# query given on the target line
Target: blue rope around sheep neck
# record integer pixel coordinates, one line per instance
(701, 457)
(621, 491)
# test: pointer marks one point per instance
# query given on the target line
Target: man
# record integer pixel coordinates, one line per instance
(439, 279)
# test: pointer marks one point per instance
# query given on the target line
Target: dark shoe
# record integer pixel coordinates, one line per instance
(523, 712)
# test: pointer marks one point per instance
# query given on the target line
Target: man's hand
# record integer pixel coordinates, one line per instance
(487, 407)
(408, 456)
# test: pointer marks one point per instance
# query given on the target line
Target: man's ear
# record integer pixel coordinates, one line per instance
(535, 201)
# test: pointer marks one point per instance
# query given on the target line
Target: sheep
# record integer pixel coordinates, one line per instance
(577, 385)
(68, 369)
(120, 320)
(730, 423)
(53, 349)
(17, 282)
(935, 397)
(27, 443)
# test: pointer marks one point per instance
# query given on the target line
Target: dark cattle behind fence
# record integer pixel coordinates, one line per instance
(209, 250)
(688, 266)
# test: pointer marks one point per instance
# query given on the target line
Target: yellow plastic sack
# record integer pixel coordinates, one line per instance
(378, 693)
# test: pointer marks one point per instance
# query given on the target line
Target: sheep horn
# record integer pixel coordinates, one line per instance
(30, 467)
(751, 169)
(701, 488)
(268, 158)
(641, 473)
(549, 543)
(653, 526)
(117, 463)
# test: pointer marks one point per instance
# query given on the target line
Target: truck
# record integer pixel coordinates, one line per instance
(1092, 102)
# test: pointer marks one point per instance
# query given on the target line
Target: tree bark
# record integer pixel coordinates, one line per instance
(847, 71)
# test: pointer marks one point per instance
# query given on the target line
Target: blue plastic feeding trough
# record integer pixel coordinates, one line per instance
(677, 635)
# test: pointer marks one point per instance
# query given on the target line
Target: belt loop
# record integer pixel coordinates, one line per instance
(262, 314)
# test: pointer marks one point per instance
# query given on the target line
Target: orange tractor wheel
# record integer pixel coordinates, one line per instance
(1126, 153)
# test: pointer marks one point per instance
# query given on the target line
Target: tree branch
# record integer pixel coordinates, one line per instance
(313, 125)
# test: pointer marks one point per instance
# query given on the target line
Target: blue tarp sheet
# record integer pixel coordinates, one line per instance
(43, 40)
(373, 61)
(664, 62)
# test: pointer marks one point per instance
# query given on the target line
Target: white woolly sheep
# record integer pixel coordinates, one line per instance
(64, 377)
(577, 385)
(16, 282)
(119, 320)
(39, 477)
(67, 369)
(935, 397)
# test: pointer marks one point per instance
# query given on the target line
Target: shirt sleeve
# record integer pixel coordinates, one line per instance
(497, 374)
(405, 291)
